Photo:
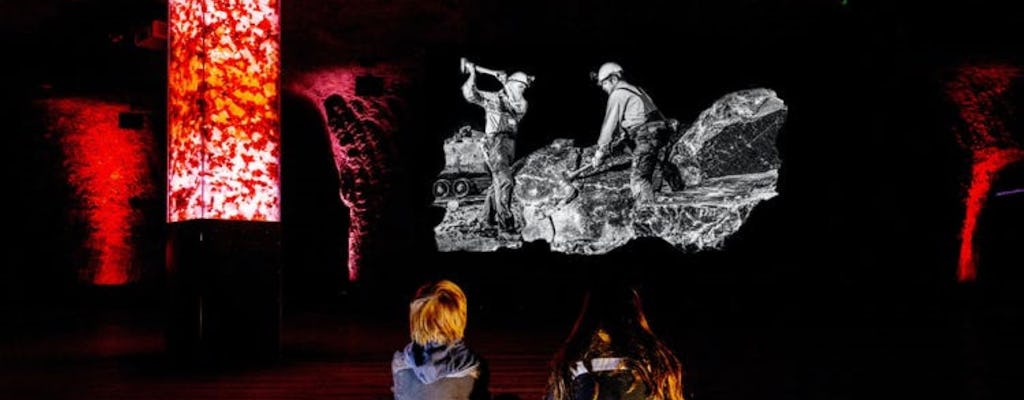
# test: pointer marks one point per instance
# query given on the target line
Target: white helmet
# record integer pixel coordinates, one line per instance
(608, 69)
(520, 76)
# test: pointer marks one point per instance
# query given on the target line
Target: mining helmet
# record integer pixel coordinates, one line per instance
(607, 69)
(520, 76)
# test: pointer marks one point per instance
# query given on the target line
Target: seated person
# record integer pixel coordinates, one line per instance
(612, 353)
(437, 364)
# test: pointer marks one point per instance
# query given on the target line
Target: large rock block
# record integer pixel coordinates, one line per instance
(728, 155)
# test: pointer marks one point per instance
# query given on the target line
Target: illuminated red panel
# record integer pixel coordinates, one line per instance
(223, 110)
(979, 92)
(106, 167)
(359, 129)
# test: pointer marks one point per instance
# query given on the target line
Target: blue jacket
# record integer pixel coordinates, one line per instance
(435, 372)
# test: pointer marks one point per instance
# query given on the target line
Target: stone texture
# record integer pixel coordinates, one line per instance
(736, 135)
(728, 155)
(364, 158)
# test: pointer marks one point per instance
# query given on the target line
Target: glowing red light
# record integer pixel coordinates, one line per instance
(979, 92)
(986, 164)
(223, 110)
(106, 167)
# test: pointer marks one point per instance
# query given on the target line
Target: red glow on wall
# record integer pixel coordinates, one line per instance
(979, 92)
(223, 110)
(986, 164)
(359, 129)
(106, 167)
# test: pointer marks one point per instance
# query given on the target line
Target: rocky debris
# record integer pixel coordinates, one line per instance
(728, 155)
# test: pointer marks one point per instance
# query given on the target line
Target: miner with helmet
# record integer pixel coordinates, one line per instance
(631, 113)
(503, 110)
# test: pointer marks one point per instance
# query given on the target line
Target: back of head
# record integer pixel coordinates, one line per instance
(438, 314)
(615, 310)
(612, 323)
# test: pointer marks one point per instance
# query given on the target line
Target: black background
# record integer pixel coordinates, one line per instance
(842, 286)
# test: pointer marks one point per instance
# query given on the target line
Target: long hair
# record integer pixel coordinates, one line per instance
(612, 323)
(437, 314)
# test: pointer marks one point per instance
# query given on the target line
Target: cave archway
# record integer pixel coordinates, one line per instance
(314, 220)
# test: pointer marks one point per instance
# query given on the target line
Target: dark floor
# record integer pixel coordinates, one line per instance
(754, 333)
(116, 352)
(119, 355)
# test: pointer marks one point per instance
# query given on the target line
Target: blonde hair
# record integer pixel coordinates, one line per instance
(438, 314)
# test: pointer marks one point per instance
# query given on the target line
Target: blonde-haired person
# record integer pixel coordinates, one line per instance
(612, 353)
(437, 364)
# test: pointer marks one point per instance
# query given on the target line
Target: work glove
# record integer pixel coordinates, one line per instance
(598, 157)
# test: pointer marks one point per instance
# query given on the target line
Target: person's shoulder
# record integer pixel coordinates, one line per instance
(622, 92)
(474, 355)
(598, 364)
(489, 93)
(398, 362)
(482, 361)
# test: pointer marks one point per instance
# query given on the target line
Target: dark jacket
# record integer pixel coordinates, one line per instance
(608, 385)
(436, 372)
(604, 379)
